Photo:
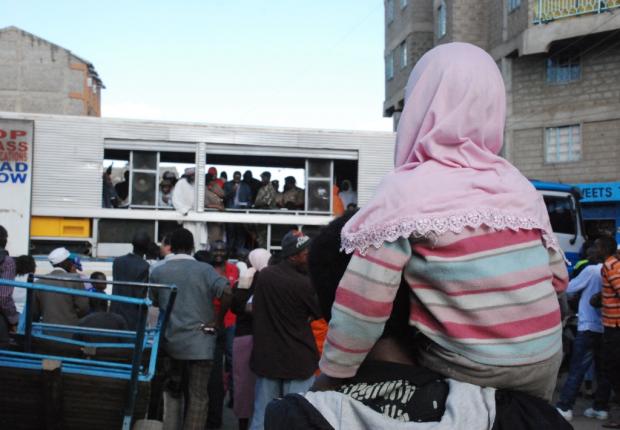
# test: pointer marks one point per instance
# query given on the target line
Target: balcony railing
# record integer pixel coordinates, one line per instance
(550, 10)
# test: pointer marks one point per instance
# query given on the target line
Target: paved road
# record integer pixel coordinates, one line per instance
(580, 422)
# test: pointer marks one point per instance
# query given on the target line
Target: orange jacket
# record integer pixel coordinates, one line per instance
(338, 206)
(319, 331)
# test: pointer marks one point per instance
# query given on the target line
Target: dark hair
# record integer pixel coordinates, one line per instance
(327, 265)
(583, 251)
(274, 259)
(182, 241)
(166, 239)
(203, 256)
(99, 276)
(608, 245)
(141, 242)
(4, 236)
(152, 253)
(24, 264)
(242, 254)
(67, 264)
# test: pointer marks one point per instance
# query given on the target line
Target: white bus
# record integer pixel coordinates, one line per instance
(60, 201)
(51, 180)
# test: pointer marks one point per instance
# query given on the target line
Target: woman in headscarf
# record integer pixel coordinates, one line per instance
(468, 232)
(243, 376)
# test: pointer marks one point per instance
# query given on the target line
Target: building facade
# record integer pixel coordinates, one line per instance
(37, 76)
(559, 59)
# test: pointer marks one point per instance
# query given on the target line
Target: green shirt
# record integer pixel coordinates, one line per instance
(198, 284)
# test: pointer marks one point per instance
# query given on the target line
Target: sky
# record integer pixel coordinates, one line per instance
(294, 63)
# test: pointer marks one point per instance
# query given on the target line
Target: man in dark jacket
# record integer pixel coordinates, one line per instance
(253, 183)
(131, 268)
(284, 356)
(237, 195)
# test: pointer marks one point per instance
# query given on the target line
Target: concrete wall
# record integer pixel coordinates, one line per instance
(468, 22)
(413, 25)
(593, 102)
(599, 162)
(39, 77)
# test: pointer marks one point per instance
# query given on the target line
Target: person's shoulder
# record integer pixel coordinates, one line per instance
(232, 267)
(272, 268)
(202, 267)
(156, 270)
(8, 261)
(122, 258)
(612, 263)
(292, 412)
(592, 269)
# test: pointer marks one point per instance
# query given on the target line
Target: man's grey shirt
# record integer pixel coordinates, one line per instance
(198, 284)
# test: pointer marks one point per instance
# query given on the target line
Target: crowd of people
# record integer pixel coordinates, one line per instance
(241, 192)
(438, 305)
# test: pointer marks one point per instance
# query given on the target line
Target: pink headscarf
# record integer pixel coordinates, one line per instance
(448, 174)
(259, 258)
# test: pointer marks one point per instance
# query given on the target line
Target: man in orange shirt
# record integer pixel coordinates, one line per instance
(611, 323)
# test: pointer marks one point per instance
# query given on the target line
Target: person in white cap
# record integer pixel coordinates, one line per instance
(54, 308)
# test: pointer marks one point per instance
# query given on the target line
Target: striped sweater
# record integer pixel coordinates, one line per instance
(487, 295)
(611, 292)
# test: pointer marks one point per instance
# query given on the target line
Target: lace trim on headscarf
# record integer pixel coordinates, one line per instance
(430, 227)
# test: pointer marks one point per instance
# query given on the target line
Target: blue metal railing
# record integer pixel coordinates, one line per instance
(550, 10)
(137, 342)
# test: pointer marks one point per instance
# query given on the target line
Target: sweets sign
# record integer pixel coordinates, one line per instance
(16, 138)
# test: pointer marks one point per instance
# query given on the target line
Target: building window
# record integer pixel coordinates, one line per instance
(402, 54)
(389, 66)
(441, 20)
(563, 68)
(513, 4)
(390, 10)
(563, 144)
(403, 4)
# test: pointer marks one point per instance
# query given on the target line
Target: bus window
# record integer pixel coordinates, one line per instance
(123, 230)
(561, 211)
(319, 195)
(142, 179)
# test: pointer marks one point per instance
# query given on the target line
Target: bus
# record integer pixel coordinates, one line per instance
(562, 201)
(55, 169)
(53, 172)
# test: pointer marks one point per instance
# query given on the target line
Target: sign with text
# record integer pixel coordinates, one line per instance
(600, 192)
(16, 139)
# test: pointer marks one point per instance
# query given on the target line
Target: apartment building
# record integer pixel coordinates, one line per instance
(559, 59)
(37, 76)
